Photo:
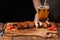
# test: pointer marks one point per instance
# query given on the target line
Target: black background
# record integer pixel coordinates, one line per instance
(23, 10)
(11, 11)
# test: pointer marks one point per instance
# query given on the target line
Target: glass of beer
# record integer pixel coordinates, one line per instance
(43, 12)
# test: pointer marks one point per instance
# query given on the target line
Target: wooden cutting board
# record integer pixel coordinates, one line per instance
(32, 32)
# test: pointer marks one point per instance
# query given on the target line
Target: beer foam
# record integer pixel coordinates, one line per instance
(41, 7)
(47, 7)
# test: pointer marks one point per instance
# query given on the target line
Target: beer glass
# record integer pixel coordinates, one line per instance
(43, 12)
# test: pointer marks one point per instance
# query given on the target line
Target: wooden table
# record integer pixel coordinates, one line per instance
(39, 34)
